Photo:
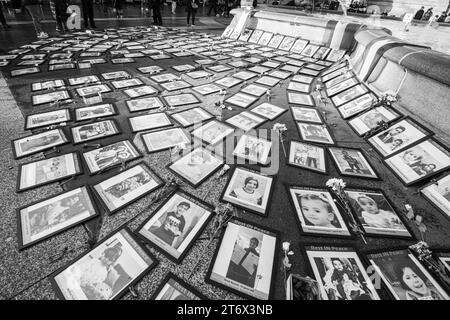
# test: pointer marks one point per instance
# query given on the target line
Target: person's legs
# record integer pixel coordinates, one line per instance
(36, 14)
(90, 6)
(2, 18)
(174, 6)
(193, 17)
(84, 8)
(188, 16)
(159, 18)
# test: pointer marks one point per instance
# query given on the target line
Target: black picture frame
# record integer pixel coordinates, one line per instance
(249, 115)
(197, 133)
(113, 122)
(175, 85)
(185, 133)
(156, 101)
(393, 111)
(422, 191)
(307, 99)
(105, 89)
(41, 83)
(159, 183)
(185, 196)
(374, 175)
(360, 104)
(325, 158)
(122, 83)
(247, 158)
(315, 110)
(47, 124)
(175, 116)
(84, 80)
(23, 246)
(115, 75)
(109, 105)
(193, 101)
(251, 99)
(262, 229)
(229, 82)
(329, 143)
(67, 96)
(61, 134)
(131, 237)
(182, 283)
(78, 171)
(152, 91)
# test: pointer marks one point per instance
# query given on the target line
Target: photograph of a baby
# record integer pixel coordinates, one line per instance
(317, 212)
(375, 213)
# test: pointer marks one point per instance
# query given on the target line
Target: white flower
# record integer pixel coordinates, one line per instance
(280, 127)
(286, 246)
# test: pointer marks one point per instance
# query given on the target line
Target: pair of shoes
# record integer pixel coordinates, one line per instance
(42, 35)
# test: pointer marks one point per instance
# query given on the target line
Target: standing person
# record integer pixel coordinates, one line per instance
(118, 6)
(156, 6)
(212, 6)
(61, 14)
(88, 13)
(419, 14)
(228, 6)
(174, 6)
(428, 14)
(34, 9)
(191, 9)
(3, 20)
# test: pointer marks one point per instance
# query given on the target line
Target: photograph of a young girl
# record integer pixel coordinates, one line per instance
(375, 213)
(317, 212)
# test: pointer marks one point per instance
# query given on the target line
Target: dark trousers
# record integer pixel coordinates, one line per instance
(191, 12)
(88, 13)
(61, 14)
(2, 17)
(157, 19)
(213, 7)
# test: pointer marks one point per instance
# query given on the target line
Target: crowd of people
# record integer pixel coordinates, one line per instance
(421, 14)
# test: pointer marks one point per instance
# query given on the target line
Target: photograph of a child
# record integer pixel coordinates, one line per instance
(341, 275)
(144, 104)
(87, 113)
(307, 156)
(268, 110)
(315, 133)
(94, 131)
(405, 278)
(191, 116)
(54, 214)
(397, 137)
(372, 119)
(376, 214)
(306, 114)
(196, 166)
(439, 194)
(249, 189)
(317, 212)
(102, 273)
(38, 142)
(174, 226)
(245, 121)
(212, 132)
(352, 162)
(419, 161)
(253, 148)
(245, 260)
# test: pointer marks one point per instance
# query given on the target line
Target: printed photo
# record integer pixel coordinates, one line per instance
(438, 193)
(244, 261)
(39, 120)
(350, 94)
(356, 106)
(50, 97)
(165, 77)
(116, 75)
(165, 139)
(299, 45)
(174, 226)
(317, 212)
(315, 133)
(206, 89)
(173, 288)
(241, 100)
(46, 85)
(92, 90)
(31, 144)
(268, 110)
(299, 87)
(192, 116)
(371, 119)
(198, 74)
(92, 131)
(94, 112)
(175, 85)
(212, 132)
(228, 82)
(105, 272)
(245, 75)
(306, 114)
(53, 215)
(150, 122)
(352, 162)
(253, 148)
(268, 81)
(140, 91)
(339, 87)
(307, 156)
(182, 99)
(120, 84)
(405, 277)
(83, 80)
(254, 90)
(142, 104)
(245, 121)
(300, 98)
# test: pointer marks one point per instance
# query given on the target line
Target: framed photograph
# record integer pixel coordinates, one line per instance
(310, 50)
(352, 162)
(438, 193)
(348, 95)
(198, 74)
(34, 143)
(419, 162)
(183, 67)
(46, 171)
(142, 104)
(83, 80)
(335, 55)
(299, 45)
(249, 190)
(317, 133)
(181, 99)
(298, 87)
(174, 288)
(49, 97)
(245, 121)
(268, 110)
(357, 105)
(122, 60)
(322, 53)
(340, 71)
(309, 72)
(128, 186)
(116, 75)
(45, 85)
(280, 74)
(287, 43)
(150, 69)
(91, 90)
(444, 257)
(254, 149)
(254, 90)
(371, 119)
(46, 218)
(256, 35)
(340, 273)
(398, 136)
(43, 119)
(339, 79)
(105, 272)
(228, 82)
(192, 116)
(265, 38)
(245, 75)
(126, 83)
(306, 115)
(245, 260)
(376, 214)
(307, 156)
(317, 213)
(300, 98)
(64, 66)
(175, 85)
(302, 78)
(207, 89)
(149, 122)
(404, 276)
(95, 112)
(241, 100)
(103, 158)
(175, 224)
(141, 91)
(95, 130)
(339, 87)
(196, 166)
(212, 132)
(165, 77)
(165, 139)
(219, 68)
(268, 81)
